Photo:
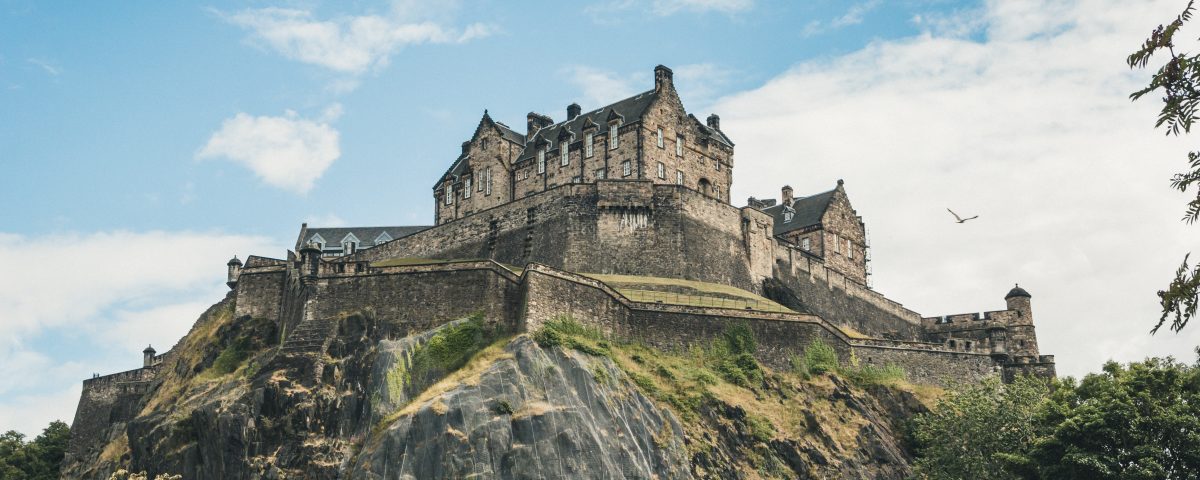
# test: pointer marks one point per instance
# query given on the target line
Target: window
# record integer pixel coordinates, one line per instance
(467, 188)
(837, 246)
(679, 146)
(662, 170)
(787, 216)
(660, 138)
(587, 144)
(849, 249)
(679, 177)
(626, 168)
(613, 140)
(805, 244)
(577, 179)
(449, 194)
(717, 191)
(483, 143)
(601, 173)
(541, 161)
(487, 181)
(349, 248)
(565, 156)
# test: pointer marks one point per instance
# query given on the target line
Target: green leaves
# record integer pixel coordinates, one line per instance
(39, 459)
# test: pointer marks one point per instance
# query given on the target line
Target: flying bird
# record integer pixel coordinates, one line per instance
(960, 219)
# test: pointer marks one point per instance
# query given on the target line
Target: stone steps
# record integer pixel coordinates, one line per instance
(309, 337)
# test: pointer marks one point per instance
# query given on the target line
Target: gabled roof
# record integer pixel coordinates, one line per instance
(628, 110)
(808, 212)
(369, 234)
(711, 132)
(459, 166)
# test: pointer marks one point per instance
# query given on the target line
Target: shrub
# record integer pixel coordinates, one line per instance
(872, 375)
(820, 357)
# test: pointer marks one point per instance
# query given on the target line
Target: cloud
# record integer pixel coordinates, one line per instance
(1027, 125)
(853, 16)
(601, 11)
(328, 220)
(288, 152)
(697, 83)
(86, 303)
(347, 44)
(601, 87)
(49, 67)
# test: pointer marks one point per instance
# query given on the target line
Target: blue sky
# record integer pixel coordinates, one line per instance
(144, 143)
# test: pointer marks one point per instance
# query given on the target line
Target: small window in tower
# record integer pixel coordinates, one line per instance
(626, 168)
(588, 140)
(805, 244)
(601, 173)
(660, 138)
(483, 143)
(467, 188)
(679, 177)
(614, 141)
(541, 159)
(565, 154)
(662, 170)
(679, 146)
(717, 191)
(487, 177)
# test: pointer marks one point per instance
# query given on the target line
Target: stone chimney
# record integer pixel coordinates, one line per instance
(573, 110)
(535, 121)
(787, 195)
(148, 356)
(663, 78)
(714, 122)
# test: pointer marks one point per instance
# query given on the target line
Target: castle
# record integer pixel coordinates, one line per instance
(620, 218)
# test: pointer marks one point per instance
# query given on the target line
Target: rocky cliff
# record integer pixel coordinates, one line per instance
(351, 397)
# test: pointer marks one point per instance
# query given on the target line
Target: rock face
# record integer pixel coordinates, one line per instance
(532, 413)
(467, 400)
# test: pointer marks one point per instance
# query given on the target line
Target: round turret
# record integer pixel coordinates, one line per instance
(1017, 291)
(235, 271)
(148, 356)
(234, 261)
(1018, 300)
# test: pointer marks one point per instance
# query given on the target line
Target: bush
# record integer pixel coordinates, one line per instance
(820, 357)
(232, 357)
(872, 375)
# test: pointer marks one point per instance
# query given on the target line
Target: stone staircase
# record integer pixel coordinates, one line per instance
(310, 337)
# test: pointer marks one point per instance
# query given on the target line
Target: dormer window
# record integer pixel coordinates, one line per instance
(787, 216)
(660, 138)
(467, 188)
(565, 155)
(349, 244)
(679, 146)
(588, 140)
(317, 240)
(383, 238)
(613, 140)
(541, 161)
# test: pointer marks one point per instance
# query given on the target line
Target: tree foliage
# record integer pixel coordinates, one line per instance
(1140, 421)
(39, 459)
(1178, 80)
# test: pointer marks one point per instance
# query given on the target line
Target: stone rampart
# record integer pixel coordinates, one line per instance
(260, 292)
(106, 401)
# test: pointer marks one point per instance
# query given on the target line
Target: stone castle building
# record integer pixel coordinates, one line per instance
(534, 226)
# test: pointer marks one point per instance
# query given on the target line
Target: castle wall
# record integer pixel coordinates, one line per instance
(260, 292)
(936, 367)
(417, 299)
(105, 404)
(823, 291)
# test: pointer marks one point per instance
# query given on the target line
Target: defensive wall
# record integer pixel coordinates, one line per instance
(106, 401)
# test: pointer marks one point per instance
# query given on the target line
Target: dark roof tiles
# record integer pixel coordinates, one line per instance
(807, 211)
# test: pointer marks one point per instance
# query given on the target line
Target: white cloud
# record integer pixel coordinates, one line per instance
(668, 7)
(1031, 129)
(47, 66)
(602, 87)
(100, 298)
(853, 16)
(347, 44)
(288, 152)
(697, 83)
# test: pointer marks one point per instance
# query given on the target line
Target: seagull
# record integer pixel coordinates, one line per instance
(960, 219)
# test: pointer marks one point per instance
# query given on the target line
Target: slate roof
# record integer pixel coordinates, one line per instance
(629, 110)
(1017, 291)
(808, 212)
(367, 235)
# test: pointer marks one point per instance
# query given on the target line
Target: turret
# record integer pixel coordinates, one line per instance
(1018, 300)
(310, 258)
(235, 271)
(1022, 340)
(148, 356)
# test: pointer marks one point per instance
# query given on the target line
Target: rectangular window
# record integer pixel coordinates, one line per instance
(588, 140)
(805, 244)
(541, 161)
(679, 177)
(662, 170)
(488, 184)
(577, 179)
(626, 168)
(467, 188)
(717, 191)
(613, 140)
(565, 156)
(849, 249)
(679, 146)
(601, 173)
(837, 245)
(660, 138)
(449, 195)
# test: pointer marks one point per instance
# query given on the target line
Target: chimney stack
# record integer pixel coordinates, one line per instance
(787, 195)
(466, 146)
(714, 121)
(662, 78)
(535, 121)
(573, 110)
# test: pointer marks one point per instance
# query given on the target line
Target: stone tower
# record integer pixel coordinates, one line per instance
(1022, 342)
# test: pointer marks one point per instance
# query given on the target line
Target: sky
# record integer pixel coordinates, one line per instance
(145, 143)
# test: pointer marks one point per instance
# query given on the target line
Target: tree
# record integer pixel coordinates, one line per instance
(1179, 81)
(969, 430)
(1135, 422)
(39, 459)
